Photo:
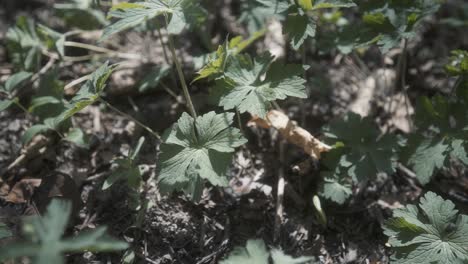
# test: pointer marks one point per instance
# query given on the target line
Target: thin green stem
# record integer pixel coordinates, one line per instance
(239, 121)
(188, 99)
(155, 134)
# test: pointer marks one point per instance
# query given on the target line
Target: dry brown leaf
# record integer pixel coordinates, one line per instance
(22, 191)
(291, 132)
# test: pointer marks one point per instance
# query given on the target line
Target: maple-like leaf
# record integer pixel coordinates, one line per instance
(385, 23)
(132, 14)
(45, 243)
(244, 88)
(432, 232)
(197, 149)
(365, 151)
(442, 132)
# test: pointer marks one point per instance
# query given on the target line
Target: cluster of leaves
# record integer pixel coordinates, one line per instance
(359, 153)
(45, 243)
(442, 133)
(88, 94)
(384, 23)
(432, 232)
(177, 15)
(127, 169)
(256, 252)
(298, 16)
(27, 42)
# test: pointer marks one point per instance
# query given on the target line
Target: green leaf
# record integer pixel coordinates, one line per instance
(126, 168)
(255, 13)
(279, 257)
(335, 190)
(299, 28)
(82, 14)
(200, 148)
(78, 137)
(32, 131)
(432, 232)
(428, 155)
(218, 61)
(442, 132)
(366, 152)
(246, 91)
(255, 252)
(24, 45)
(458, 63)
(88, 94)
(16, 79)
(45, 244)
(131, 15)
(4, 104)
(152, 79)
(306, 5)
(41, 101)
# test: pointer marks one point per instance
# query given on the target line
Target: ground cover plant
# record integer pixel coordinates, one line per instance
(250, 131)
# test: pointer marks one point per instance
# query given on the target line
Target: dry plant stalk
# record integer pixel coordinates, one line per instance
(291, 132)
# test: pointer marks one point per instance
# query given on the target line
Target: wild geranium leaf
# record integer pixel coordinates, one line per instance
(46, 244)
(299, 28)
(255, 13)
(256, 252)
(337, 190)
(427, 155)
(197, 149)
(442, 132)
(336, 184)
(365, 151)
(432, 232)
(132, 14)
(246, 90)
(386, 23)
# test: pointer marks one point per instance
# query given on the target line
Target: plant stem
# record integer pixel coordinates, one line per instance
(190, 106)
(155, 134)
(239, 121)
(101, 50)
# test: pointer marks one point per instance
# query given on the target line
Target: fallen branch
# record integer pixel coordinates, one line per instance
(291, 132)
